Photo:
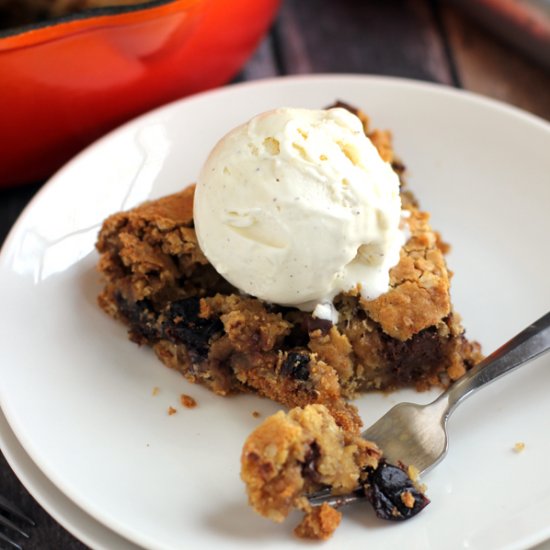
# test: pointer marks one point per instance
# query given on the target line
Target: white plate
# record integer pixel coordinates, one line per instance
(78, 394)
(80, 524)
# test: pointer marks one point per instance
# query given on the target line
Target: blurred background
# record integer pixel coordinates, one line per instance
(67, 78)
(499, 48)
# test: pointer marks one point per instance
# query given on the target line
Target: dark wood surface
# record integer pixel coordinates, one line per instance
(420, 39)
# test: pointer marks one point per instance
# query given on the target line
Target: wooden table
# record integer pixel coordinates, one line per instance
(420, 39)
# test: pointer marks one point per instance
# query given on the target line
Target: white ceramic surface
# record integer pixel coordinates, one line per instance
(78, 394)
(81, 525)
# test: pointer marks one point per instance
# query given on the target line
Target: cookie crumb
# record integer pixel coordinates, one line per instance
(156, 391)
(519, 447)
(171, 411)
(256, 414)
(319, 523)
(407, 499)
(187, 401)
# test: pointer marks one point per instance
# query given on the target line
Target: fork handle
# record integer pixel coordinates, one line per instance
(528, 344)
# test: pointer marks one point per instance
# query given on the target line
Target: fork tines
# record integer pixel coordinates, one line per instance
(7, 506)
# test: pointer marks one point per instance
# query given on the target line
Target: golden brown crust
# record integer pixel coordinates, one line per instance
(419, 293)
(335, 349)
(144, 251)
(271, 467)
(319, 523)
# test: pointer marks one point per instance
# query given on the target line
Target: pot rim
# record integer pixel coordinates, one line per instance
(57, 27)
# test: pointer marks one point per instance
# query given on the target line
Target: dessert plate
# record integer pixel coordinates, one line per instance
(80, 397)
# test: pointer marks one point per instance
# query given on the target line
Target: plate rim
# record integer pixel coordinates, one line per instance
(31, 476)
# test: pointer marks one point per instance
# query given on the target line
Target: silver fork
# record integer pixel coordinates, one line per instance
(7, 507)
(417, 434)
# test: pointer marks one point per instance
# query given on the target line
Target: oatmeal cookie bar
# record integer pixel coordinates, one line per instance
(159, 283)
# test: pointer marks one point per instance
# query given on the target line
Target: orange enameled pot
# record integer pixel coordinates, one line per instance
(65, 82)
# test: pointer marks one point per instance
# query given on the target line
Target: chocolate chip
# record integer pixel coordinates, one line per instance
(182, 324)
(309, 466)
(296, 366)
(344, 105)
(312, 323)
(398, 167)
(298, 337)
(141, 317)
(415, 358)
(393, 494)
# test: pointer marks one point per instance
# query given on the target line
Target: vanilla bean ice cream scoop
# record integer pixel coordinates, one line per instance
(297, 206)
